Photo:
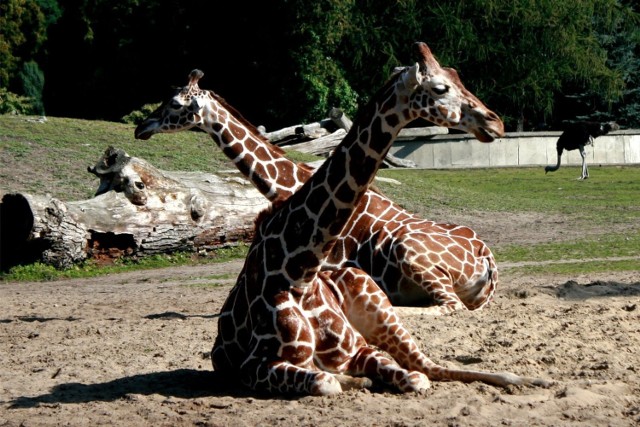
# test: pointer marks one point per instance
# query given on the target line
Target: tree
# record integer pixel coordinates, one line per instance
(522, 57)
(518, 56)
(618, 31)
(24, 30)
(322, 82)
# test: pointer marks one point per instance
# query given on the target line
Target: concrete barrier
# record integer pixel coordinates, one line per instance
(515, 149)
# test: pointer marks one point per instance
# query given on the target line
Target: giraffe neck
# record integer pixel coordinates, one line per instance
(262, 163)
(347, 174)
(313, 218)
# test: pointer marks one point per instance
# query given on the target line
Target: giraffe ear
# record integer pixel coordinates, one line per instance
(412, 77)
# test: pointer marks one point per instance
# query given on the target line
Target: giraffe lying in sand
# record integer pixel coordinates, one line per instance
(289, 326)
(442, 267)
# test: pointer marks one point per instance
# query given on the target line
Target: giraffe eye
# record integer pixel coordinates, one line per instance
(175, 105)
(440, 89)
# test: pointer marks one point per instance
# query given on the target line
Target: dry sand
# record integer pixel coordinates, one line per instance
(133, 349)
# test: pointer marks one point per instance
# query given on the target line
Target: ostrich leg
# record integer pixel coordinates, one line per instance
(585, 170)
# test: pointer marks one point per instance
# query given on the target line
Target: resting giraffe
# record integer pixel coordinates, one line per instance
(415, 261)
(286, 325)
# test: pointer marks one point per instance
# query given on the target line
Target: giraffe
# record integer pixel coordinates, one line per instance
(440, 268)
(286, 326)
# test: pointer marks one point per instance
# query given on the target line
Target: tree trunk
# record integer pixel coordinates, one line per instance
(138, 211)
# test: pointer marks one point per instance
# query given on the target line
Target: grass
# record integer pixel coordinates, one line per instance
(53, 157)
(42, 272)
(606, 246)
(575, 268)
(610, 197)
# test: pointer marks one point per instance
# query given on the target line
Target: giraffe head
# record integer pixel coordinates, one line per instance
(180, 112)
(438, 95)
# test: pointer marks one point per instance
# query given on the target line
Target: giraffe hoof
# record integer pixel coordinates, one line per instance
(512, 379)
(326, 385)
(417, 382)
(349, 383)
(537, 382)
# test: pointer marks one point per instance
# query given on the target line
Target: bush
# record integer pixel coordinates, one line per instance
(137, 116)
(14, 104)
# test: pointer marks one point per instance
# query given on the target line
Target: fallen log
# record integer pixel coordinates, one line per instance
(322, 144)
(138, 211)
(311, 130)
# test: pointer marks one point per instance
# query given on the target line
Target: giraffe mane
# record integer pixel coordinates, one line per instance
(267, 212)
(236, 114)
(276, 150)
(365, 110)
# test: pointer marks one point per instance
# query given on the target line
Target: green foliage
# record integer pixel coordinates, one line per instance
(22, 35)
(32, 272)
(519, 56)
(51, 11)
(32, 79)
(136, 117)
(24, 26)
(324, 86)
(619, 33)
(14, 104)
(319, 27)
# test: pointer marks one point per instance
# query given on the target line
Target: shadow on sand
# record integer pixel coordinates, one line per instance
(572, 290)
(182, 383)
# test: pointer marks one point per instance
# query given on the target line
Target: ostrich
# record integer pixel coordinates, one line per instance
(577, 135)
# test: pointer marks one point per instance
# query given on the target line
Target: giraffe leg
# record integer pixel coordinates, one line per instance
(285, 377)
(373, 364)
(371, 313)
(473, 295)
(461, 279)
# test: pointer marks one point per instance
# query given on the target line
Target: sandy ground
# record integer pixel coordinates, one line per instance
(133, 349)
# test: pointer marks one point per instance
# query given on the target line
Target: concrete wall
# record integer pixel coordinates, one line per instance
(515, 149)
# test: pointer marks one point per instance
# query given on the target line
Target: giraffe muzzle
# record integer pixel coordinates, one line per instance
(145, 130)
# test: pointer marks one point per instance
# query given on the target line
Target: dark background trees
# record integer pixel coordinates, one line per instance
(536, 62)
